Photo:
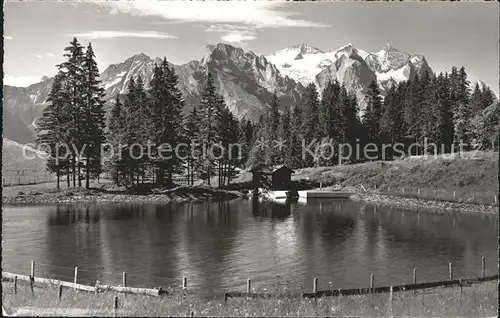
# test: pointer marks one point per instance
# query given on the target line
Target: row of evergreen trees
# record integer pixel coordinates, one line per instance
(153, 116)
(427, 114)
(438, 108)
(72, 125)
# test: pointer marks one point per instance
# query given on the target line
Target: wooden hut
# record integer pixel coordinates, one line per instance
(273, 178)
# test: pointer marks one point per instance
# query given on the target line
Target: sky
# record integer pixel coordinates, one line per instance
(446, 33)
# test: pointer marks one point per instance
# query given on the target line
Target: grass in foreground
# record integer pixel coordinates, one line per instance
(480, 300)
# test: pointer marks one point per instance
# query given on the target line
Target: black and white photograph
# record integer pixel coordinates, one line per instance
(250, 158)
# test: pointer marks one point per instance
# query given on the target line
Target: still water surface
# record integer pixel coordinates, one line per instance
(219, 245)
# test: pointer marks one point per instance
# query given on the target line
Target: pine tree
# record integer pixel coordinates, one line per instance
(229, 135)
(192, 134)
(165, 119)
(373, 113)
(310, 119)
(476, 100)
(392, 118)
(442, 122)
(258, 147)
(93, 122)
(294, 152)
(330, 120)
(412, 112)
(272, 126)
(486, 127)
(210, 110)
(52, 128)
(116, 136)
(74, 75)
(284, 129)
(488, 97)
(462, 112)
(353, 129)
(247, 130)
(132, 132)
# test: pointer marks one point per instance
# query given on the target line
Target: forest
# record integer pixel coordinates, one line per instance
(139, 140)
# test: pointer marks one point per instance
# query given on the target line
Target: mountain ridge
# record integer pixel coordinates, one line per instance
(244, 79)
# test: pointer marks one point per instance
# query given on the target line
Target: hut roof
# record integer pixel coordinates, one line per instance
(270, 169)
(261, 167)
(283, 167)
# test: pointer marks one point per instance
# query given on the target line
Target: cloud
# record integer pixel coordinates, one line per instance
(225, 27)
(258, 14)
(40, 56)
(238, 37)
(121, 34)
(6, 37)
(235, 34)
(20, 81)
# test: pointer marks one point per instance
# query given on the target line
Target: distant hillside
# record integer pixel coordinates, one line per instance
(17, 167)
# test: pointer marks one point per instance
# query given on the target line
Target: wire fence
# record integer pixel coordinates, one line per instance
(26, 177)
(92, 275)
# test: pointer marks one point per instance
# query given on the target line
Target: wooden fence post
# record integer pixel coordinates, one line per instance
(15, 284)
(184, 283)
(124, 279)
(32, 280)
(249, 286)
(495, 198)
(315, 284)
(450, 270)
(33, 269)
(390, 299)
(414, 279)
(60, 292)
(418, 191)
(483, 266)
(76, 275)
(372, 283)
(115, 305)
(454, 194)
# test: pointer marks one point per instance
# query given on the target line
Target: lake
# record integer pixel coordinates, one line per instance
(218, 245)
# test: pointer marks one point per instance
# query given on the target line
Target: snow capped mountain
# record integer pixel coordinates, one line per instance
(116, 77)
(350, 69)
(245, 80)
(302, 63)
(307, 64)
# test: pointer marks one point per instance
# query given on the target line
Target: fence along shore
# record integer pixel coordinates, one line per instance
(316, 293)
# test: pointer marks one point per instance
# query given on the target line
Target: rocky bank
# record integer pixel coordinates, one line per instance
(179, 194)
(425, 205)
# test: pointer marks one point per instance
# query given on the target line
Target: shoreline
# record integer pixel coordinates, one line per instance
(422, 205)
(175, 195)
